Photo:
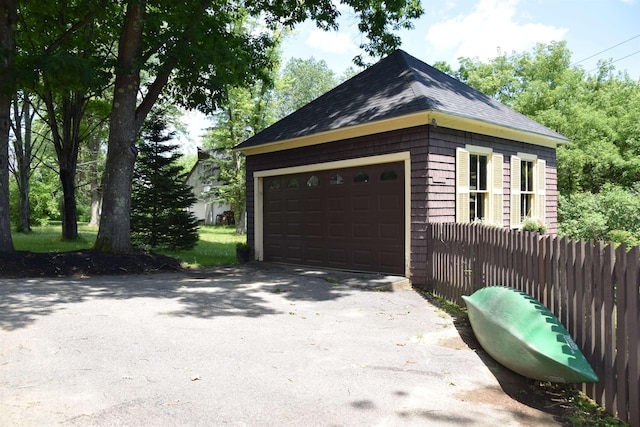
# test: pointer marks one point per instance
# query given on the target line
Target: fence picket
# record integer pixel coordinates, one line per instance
(633, 335)
(593, 289)
(621, 327)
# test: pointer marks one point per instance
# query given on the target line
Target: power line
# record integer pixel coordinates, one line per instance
(619, 59)
(608, 49)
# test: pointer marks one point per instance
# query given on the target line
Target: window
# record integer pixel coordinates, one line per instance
(313, 181)
(274, 184)
(336, 179)
(361, 177)
(478, 193)
(528, 197)
(293, 183)
(389, 175)
(526, 189)
(479, 185)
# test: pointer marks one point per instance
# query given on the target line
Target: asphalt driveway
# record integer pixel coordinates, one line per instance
(256, 344)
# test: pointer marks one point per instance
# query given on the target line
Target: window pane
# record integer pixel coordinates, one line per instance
(526, 202)
(274, 184)
(526, 176)
(361, 177)
(477, 206)
(293, 183)
(473, 172)
(389, 175)
(313, 181)
(336, 179)
(482, 166)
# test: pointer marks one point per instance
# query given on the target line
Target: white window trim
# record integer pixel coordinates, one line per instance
(495, 165)
(539, 191)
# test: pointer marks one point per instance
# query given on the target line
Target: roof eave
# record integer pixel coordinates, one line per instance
(433, 117)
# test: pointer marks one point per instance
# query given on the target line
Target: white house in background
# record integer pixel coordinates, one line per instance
(205, 209)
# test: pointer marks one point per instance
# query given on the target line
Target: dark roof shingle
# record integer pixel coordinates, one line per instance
(396, 86)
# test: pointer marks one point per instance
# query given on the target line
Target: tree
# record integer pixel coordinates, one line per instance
(160, 198)
(194, 55)
(70, 63)
(240, 118)
(8, 20)
(302, 81)
(600, 114)
(26, 148)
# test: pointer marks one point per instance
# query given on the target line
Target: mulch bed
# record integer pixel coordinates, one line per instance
(81, 263)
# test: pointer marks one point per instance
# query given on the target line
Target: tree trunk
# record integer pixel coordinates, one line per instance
(22, 147)
(94, 182)
(24, 171)
(69, 205)
(114, 234)
(8, 18)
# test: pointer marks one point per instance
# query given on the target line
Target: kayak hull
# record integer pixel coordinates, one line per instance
(523, 335)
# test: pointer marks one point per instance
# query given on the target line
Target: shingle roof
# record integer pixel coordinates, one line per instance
(396, 86)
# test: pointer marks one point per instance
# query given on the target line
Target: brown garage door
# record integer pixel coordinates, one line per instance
(345, 218)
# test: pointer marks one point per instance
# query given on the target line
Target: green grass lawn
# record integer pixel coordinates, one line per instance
(217, 245)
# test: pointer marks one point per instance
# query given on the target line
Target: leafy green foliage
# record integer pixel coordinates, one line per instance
(599, 168)
(160, 197)
(612, 214)
(302, 81)
(44, 197)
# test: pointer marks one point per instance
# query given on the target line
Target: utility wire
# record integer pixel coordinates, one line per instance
(619, 59)
(608, 49)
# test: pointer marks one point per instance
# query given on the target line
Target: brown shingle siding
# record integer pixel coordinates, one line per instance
(432, 172)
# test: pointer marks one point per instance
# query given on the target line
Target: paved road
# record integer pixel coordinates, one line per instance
(256, 344)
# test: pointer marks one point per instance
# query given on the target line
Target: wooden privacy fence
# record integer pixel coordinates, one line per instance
(594, 289)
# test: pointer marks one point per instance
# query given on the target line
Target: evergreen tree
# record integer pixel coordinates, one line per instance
(161, 197)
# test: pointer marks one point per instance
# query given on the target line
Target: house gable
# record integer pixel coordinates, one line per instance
(398, 92)
(399, 107)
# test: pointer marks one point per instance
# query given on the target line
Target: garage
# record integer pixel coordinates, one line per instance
(348, 218)
(351, 180)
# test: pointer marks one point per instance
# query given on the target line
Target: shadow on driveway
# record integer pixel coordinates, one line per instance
(255, 344)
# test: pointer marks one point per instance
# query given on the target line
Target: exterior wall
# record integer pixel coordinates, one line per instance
(204, 209)
(441, 189)
(432, 175)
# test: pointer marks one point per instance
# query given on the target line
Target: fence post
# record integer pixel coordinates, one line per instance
(632, 320)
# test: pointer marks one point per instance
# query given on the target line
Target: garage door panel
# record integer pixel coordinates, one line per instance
(390, 259)
(390, 231)
(389, 202)
(314, 230)
(294, 205)
(362, 257)
(316, 254)
(336, 205)
(294, 229)
(313, 205)
(336, 256)
(361, 231)
(336, 231)
(347, 218)
(294, 253)
(361, 203)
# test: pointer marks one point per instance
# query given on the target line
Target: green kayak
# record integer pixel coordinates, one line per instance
(523, 335)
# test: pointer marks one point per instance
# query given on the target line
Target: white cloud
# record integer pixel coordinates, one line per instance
(331, 41)
(491, 25)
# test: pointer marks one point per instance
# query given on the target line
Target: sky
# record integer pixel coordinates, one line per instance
(449, 29)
